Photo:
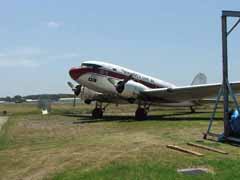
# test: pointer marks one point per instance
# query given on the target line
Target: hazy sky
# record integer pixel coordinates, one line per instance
(171, 40)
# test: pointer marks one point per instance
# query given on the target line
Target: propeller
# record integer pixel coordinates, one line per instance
(121, 84)
(76, 90)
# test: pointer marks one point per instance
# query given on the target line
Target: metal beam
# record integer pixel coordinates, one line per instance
(226, 88)
(235, 25)
(215, 110)
(231, 13)
(225, 76)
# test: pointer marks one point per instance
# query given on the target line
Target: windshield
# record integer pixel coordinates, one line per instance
(90, 65)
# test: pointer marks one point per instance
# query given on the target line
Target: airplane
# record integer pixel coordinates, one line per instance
(103, 82)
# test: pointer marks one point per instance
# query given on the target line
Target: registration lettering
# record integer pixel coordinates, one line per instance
(92, 79)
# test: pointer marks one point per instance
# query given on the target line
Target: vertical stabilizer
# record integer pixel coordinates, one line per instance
(200, 78)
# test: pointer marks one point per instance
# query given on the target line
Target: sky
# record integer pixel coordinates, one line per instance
(170, 40)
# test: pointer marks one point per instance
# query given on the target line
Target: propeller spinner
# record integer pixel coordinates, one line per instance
(121, 84)
(76, 90)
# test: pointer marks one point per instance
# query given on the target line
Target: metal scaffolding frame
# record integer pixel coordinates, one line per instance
(225, 89)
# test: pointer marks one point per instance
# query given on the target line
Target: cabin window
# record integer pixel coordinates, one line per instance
(114, 69)
(90, 65)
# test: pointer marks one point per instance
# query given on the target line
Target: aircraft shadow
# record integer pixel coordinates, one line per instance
(178, 116)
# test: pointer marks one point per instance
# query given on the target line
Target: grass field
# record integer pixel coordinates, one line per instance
(67, 145)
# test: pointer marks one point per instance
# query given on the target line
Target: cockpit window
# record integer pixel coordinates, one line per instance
(90, 65)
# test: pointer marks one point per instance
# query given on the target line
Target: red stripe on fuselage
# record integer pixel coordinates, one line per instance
(75, 73)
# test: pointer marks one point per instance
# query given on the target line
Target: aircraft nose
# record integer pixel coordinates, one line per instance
(75, 73)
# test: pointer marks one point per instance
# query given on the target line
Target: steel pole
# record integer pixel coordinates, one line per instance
(225, 76)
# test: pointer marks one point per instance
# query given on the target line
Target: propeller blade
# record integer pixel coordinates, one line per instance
(128, 78)
(112, 81)
(78, 90)
(74, 101)
(70, 85)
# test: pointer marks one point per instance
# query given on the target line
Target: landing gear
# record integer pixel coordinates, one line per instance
(97, 113)
(192, 110)
(87, 101)
(141, 112)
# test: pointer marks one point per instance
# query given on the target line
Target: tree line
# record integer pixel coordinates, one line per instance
(20, 99)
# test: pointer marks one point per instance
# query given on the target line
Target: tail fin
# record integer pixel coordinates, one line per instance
(200, 78)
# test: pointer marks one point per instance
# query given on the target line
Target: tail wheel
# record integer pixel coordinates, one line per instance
(192, 110)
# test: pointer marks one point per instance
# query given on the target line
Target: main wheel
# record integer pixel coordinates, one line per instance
(97, 113)
(141, 114)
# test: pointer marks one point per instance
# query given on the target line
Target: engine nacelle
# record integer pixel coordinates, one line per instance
(132, 89)
(88, 95)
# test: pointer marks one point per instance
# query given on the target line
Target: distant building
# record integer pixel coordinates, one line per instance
(32, 100)
(68, 100)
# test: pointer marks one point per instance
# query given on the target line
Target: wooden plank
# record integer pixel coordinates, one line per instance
(184, 150)
(207, 148)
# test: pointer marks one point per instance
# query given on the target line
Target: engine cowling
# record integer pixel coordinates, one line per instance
(132, 89)
(88, 95)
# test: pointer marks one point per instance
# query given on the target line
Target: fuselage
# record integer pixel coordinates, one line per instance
(100, 76)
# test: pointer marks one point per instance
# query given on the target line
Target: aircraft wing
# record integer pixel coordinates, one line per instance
(109, 98)
(186, 93)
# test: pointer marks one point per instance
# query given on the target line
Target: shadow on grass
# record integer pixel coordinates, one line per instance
(178, 116)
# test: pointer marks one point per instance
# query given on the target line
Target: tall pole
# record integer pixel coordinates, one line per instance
(225, 76)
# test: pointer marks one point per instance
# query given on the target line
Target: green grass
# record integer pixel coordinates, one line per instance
(57, 146)
(5, 135)
(116, 171)
(224, 169)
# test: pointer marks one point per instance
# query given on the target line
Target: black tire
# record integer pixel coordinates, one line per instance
(97, 113)
(87, 101)
(140, 114)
